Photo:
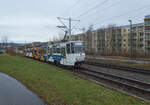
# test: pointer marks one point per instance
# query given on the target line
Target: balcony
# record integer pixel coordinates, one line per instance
(147, 31)
(147, 24)
(140, 30)
(147, 46)
(134, 31)
(146, 39)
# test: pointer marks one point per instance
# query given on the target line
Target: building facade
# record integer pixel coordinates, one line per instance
(118, 40)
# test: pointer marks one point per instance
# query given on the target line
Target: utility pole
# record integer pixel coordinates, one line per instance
(69, 28)
(130, 38)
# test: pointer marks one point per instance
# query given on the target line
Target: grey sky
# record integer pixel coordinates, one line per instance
(35, 20)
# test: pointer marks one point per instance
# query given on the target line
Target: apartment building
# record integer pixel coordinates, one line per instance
(117, 40)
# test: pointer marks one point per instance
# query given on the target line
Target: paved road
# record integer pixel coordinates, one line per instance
(125, 60)
(14, 93)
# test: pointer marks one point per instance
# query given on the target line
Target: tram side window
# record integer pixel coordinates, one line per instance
(54, 51)
(44, 51)
(58, 50)
(72, 47)
(68, 48)
(50, 51)
(63, 52)
(41, 51)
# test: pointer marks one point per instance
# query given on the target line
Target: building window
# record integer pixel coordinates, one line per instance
(141, 34)
(141, 45)
(148, 42)
(134, 34)
(141, 39)
(148, 36)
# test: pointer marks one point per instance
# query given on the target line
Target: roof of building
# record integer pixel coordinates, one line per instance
(133, 25)
(147, 16)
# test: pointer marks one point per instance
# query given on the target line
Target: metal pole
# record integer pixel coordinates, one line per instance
(69, 29)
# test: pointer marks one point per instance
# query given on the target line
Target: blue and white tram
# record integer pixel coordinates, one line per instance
(70, 53)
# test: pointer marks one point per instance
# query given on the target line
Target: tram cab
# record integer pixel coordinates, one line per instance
(70, 53)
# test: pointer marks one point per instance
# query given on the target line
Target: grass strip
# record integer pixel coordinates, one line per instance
(59, 87)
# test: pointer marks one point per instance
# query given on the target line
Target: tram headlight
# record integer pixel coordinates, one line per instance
(77, 59)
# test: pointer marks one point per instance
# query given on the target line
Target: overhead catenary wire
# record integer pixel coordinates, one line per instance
(75, 4)
(101, 11)
(83, 19)
(97, 6)
(91, 9)
(131, 11)
(107, 19)
(123, 14)
(137, 16)
(72, 6)
(117, 16)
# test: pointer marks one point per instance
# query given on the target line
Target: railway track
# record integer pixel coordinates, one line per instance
(130, 86)
(119, 67)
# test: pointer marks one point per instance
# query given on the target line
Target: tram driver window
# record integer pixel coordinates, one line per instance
(68, 48)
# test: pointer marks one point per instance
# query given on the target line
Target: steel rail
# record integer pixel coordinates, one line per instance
(119, 67)
(134, 87)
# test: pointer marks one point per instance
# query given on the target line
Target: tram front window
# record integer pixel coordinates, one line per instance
(79, 48)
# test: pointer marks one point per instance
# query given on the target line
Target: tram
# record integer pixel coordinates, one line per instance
(70, 53)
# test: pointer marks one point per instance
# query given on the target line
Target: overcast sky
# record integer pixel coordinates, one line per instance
(35, 20)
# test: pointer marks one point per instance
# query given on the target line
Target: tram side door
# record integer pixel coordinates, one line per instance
(63, 55)
(70, 53)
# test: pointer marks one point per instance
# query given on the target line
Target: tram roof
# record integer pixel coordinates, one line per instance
(78, 41)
